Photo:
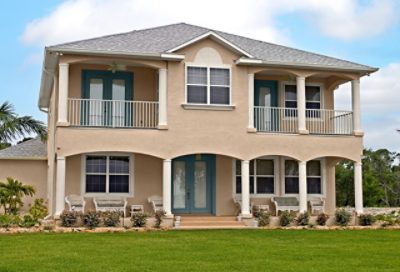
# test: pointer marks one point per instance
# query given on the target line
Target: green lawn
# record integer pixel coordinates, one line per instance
(214, 250)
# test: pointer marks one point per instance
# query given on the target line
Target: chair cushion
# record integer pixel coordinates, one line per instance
(110, 203)
(286, 201)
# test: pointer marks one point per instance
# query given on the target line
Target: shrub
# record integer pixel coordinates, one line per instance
(111, 219)
(139, 219)
(322, 218)
(91, 219)
(286, 218)
(69, 219)
(263, 218)
(159, 215)
(366, 219)
(38, 209)
(28, 221)
(342, 217)
(303, 219)
(387, 219)
(9, 220)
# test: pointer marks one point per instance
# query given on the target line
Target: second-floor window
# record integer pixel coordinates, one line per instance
(208, 85)
(313, 99)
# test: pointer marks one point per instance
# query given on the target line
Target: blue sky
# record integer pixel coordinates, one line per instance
(367, 32)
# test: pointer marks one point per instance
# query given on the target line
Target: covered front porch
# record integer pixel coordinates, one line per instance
(199, 184)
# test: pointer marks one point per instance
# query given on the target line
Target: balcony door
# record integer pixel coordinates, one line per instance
(265, 97)
(105, 98)
(193, 184)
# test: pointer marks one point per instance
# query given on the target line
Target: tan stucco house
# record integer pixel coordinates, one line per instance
(198, 117)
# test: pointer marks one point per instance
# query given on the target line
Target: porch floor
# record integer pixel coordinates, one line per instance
(209, 222)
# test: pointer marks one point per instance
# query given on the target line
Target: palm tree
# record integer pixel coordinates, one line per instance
(11, 193)
(13, 127)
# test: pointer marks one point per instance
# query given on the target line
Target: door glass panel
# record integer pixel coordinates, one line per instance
(264, 98)
(200, 184)
(96, 104)
(179, 185)
(118, 107)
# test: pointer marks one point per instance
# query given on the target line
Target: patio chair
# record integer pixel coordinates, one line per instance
(285, 203)
(75, 203)
(317, 204)
(110, 203)
(156, 203)
(238, 201)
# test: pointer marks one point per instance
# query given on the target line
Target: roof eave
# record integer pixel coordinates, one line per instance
(24, 158)
(258, 62)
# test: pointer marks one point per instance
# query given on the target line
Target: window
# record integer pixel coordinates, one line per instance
(207, 85)
(262, 179)
(313, 100)
(313, 177)
(107, 174)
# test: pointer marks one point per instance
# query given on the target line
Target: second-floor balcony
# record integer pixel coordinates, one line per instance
(318, 121)
(112, 113)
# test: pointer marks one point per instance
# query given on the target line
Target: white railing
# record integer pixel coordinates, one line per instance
(284, 120)
(112, 113)
(329, 122)
(275, 119)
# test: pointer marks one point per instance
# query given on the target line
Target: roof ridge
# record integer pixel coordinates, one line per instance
(114, 34)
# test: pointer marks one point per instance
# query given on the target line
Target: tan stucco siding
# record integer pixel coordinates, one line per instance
(224, 187)
(32, 172)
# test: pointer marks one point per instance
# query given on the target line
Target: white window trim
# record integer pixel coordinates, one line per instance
(255, 195)
(187, 105)
(311, 84)
(131, 175)
(323, 179)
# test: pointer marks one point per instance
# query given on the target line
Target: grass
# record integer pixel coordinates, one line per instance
(213, 250)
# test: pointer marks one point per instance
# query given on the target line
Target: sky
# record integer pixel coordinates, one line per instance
(363, 31)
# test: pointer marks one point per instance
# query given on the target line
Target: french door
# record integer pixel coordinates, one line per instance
(265, 98)
(193, 184)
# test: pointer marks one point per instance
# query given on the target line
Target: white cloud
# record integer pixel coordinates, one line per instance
(380, 106)
(81, 19)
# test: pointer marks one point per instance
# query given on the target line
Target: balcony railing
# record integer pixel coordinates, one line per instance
(112, 113)
(284, 120)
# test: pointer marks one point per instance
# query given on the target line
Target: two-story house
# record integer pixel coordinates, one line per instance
(197, 116)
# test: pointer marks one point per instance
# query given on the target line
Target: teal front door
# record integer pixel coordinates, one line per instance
(193, 184)
(265, 98)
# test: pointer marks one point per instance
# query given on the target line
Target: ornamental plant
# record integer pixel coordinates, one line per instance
(111, 218)
(139, 219)
(366, 219)
(38, 209)
(159, 215)
(342, 217)
(286, 218)
(303, 219)
(91, 219)
(263, 218)
(322, 218)
(69, 219)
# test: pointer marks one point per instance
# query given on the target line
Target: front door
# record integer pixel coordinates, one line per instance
(193, 184)
(265, 98)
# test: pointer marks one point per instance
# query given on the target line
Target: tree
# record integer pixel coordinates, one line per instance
(11, 193)
(13, 127)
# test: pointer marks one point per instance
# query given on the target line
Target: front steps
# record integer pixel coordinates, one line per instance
(209, 222)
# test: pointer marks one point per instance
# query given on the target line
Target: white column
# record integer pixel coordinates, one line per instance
(60, 185)
(250, 126)
(303, 186)
(162, 97)
(355, 101)
(167, 187)
(358, 191)
(301, 104)
(63, 93)
(245, 189)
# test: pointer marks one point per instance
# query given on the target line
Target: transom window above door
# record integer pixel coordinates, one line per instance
(208, 85)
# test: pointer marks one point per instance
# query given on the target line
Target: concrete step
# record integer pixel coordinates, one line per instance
(210, 227)
(210, 222)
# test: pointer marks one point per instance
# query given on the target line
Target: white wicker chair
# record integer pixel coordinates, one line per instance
(156, 203)
(75, 203)
(317, 204)
(285, 203)
(110, 203)
(238, 201)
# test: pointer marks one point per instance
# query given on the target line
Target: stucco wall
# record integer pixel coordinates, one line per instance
(32, 172)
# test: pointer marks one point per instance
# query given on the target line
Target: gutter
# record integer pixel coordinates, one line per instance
(258, 62)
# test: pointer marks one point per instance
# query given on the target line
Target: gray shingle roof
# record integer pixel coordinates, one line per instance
(161, 39)
(31, 149)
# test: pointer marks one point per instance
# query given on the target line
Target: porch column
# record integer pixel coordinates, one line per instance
(303, 186)
(63, 93)
(250, 126)
(358, 192)
(167, 187)
(301, 104)
(355, 101)
(245, 189)
(162, 97)
(60, 185)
